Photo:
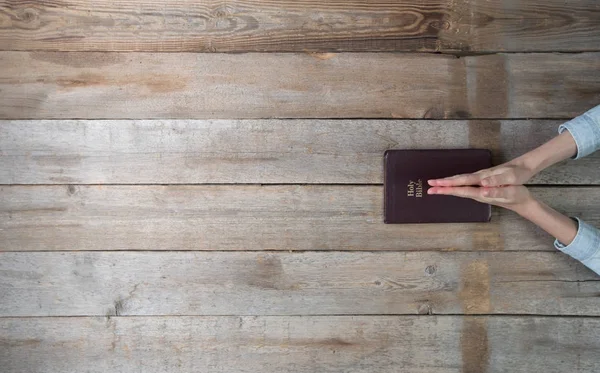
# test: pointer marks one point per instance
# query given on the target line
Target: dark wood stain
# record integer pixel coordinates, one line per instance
(582, 294)
(434, 112)
(329, 343)
(29, 342)
(456, 103)
(486, 134)
(83, 80)
(489, 86)
(489, 236)
(474, 344)
(79, 60)
(332, 342)
(21, 275)
(118, 308)
(42, 226)
(58, 161)
(155, 83)
(267, 273)
(40, 210)
(63, 38)
(71, 190)
(461, 114)
(584, 93)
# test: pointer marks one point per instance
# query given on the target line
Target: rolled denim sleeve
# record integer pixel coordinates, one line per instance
(585, 247)
(585, 129)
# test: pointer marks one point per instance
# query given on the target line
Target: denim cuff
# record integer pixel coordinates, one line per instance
(585, 245)
(585, 129)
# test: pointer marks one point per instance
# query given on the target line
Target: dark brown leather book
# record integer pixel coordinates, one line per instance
(405, 182)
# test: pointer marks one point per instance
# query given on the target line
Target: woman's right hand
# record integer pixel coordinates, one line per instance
(514, 197)
(515, 172)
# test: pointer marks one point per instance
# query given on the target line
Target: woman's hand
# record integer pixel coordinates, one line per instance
(515, 172)
(515, 197)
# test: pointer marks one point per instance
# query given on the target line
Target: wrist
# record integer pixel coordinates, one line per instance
(526, 207)
(532, 162)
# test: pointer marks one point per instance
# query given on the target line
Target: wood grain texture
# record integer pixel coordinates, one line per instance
(47, 85)
(300, 25)
(254, 151)
(310, 283)
(251, 217)
(301, 344)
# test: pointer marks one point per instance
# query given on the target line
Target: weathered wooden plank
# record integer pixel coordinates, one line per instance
(252, 217)
(47, 85)
(253, 151)
(309, 283)
(300, 25)
(409, 344)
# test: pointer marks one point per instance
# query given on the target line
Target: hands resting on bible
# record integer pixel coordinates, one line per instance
(500, 185)
(503, 186)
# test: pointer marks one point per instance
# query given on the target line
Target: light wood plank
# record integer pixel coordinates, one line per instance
(253, 151)
(301, 344)
(253, 283)
(251, 217)
(300, 25)
(47, 85)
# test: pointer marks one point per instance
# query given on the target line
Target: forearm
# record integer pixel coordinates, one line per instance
(558, 149)
(550, 220)
(578, 138)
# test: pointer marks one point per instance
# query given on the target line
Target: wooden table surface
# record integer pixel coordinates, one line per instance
(196, 186)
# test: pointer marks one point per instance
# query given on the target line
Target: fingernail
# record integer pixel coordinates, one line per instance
(430, 191)
(485, 182)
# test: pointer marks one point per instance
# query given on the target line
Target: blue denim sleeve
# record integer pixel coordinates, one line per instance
(585, 129)
(585, 247)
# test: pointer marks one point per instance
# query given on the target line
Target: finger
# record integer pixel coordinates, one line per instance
(463, 192)
(490, 192)
(457, 180)
(498, 180)
(496, 194)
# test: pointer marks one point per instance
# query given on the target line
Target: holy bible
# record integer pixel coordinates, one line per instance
(405, 186)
